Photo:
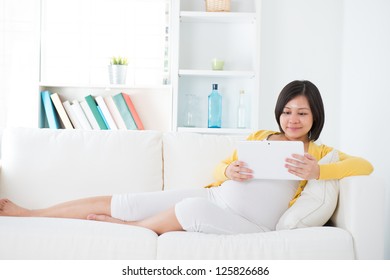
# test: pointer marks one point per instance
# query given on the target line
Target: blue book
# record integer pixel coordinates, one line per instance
(104, 119)
(50, 111)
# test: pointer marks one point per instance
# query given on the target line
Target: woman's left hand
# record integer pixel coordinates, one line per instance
(305, 166)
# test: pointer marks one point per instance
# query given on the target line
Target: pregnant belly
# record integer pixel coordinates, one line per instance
(260, 201)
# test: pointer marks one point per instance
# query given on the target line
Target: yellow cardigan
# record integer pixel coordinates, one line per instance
(346, 166)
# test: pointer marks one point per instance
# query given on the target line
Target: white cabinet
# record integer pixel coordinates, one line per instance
(201, 36)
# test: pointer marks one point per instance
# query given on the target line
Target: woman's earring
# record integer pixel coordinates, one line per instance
(309, 135)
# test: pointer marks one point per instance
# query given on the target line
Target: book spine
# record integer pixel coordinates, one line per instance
(133, 111)
(64, 118)
(42, 116)
(80, 115)
(116, 115)
(124, 111)
(106, 113)
(71, 114)
(93, 106)
(89, 115)
(104, 119)
(51, 114)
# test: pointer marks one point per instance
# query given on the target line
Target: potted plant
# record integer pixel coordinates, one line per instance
(117, 70)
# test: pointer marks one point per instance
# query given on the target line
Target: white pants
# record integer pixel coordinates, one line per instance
(220, 210)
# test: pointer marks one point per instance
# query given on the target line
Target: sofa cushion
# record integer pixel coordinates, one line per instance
(71, 239)
(316, 204)
(41, 167)
(308, 243)
(190, 158)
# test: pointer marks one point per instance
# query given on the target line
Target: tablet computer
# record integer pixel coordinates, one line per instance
(267, 159)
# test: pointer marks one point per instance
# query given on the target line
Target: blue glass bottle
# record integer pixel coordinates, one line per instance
(215, 108)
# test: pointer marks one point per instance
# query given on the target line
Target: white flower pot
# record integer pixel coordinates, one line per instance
(117, 74)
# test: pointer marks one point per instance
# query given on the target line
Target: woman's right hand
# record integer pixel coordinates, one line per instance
(238, 171)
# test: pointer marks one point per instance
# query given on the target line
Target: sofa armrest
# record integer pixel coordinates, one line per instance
(361, 211)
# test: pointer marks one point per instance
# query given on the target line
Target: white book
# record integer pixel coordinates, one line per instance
(116, 115)
(65, 120)
(88, 113)
(80, 115)
(107, 115)
(72, 115)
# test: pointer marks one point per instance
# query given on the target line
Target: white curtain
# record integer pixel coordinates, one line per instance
(19, 62)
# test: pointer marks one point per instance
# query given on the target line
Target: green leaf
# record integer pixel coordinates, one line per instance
(119, 60)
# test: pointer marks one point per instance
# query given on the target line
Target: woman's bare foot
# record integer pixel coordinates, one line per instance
(8, 208)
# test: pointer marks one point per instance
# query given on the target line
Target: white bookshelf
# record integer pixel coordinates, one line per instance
(217, 17)
(211, 73)
(201, 36)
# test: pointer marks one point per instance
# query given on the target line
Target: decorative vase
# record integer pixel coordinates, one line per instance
(117, 74)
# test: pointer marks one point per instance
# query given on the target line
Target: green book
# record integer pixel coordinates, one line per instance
(92, 104)
(124, 111)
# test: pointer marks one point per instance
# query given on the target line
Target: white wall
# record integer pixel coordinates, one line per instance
(365, 121)
(301, 39)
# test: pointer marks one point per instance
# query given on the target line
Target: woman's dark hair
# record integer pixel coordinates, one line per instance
(311, 92)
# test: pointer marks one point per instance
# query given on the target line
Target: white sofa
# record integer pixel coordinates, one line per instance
(41, 167)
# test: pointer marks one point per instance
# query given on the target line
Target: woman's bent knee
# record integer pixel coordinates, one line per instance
(198, 215)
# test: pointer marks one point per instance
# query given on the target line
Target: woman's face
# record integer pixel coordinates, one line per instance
(297, 119)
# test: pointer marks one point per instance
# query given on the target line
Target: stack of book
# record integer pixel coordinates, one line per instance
(108, 112)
